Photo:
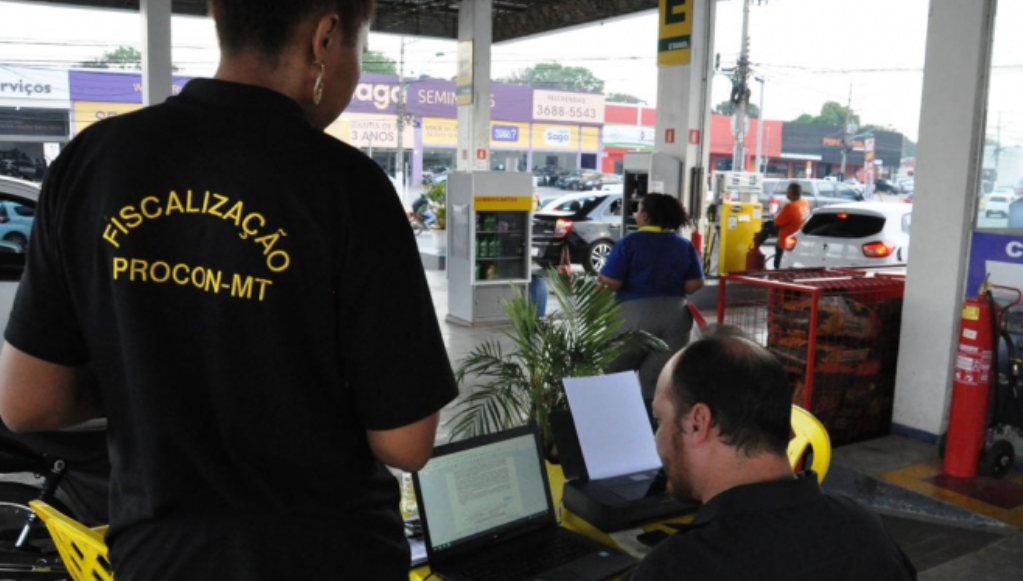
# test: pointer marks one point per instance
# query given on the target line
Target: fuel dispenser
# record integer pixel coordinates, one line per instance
(737, 217)
(647, 172)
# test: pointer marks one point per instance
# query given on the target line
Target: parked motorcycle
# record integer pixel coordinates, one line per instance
(69, 470)
(417, 222)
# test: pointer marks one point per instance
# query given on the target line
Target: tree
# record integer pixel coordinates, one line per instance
(558, 77)
(123, 57)
(625, 98)
(908, 147)
(728, 108)
(378, 62)
(832, 113)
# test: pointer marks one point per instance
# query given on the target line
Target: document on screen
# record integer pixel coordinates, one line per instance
(484, 494)
(612, 423)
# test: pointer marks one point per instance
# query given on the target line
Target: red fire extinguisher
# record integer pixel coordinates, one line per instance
(968, 417)
(755, 259)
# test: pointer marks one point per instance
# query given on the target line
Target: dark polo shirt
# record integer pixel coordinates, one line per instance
(241, 285)
(786, 530)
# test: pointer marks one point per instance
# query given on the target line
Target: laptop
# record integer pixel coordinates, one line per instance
(487, 515)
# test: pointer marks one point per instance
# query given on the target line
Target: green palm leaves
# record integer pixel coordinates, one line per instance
(524, 384)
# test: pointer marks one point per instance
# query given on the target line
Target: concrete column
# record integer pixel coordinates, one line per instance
(683, 96)
(949, 158)
(417, 158)
(157, 70)
(475, 24)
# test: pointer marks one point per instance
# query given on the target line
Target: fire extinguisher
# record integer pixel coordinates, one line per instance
(755, 259)
(971, 388)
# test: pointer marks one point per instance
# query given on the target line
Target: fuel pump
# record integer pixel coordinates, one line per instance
(737, 218)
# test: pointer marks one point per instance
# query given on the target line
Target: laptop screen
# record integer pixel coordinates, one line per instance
(482, 490)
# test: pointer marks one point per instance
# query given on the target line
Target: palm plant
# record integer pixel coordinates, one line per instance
(524, 385)
(437, 194)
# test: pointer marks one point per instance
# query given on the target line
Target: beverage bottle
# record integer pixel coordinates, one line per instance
(409, 507)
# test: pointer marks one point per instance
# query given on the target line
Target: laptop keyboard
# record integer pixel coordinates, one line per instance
(523, 561)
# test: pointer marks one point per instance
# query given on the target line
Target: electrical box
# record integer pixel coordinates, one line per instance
(647, 172)
(489, 223)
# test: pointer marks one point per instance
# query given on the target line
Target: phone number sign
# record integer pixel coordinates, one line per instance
(570, 107)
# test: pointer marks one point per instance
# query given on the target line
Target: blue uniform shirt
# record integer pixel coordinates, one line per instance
(652, 264)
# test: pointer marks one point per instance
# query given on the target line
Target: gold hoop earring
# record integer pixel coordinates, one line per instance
(318, 85)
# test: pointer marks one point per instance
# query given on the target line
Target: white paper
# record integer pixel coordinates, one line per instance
(612, 423)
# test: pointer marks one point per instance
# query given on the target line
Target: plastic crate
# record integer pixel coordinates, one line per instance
(835, 331)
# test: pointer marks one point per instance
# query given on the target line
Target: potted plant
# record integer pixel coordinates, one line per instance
(437, 196)
(524, 385)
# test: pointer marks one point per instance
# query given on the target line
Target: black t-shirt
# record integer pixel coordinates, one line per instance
(779, 530)
(249, 295)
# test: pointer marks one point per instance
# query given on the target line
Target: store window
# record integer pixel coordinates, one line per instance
(1000, 191)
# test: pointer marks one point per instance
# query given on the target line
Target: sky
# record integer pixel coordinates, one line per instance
(808, 52)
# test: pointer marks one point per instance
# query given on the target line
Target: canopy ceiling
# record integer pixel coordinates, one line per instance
(439, 18)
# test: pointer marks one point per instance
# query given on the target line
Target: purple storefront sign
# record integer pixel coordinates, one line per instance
(436, 98)
(112, 87)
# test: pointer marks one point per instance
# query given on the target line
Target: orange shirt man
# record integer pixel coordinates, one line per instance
(790, 219)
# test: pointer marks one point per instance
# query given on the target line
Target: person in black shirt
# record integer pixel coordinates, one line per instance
(723, 411)
(237, 324)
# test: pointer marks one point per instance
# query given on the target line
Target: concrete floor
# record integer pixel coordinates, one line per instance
(947, 535)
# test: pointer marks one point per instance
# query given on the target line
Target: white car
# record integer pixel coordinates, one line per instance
(998, 205)
(861, 234)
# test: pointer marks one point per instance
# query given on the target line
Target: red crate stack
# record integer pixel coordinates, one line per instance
(836, 332)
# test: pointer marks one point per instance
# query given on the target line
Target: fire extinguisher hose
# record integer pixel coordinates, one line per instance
(996, 323)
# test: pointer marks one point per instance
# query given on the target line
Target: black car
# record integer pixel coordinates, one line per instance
(588, 224)
(569, 180)
(887, 187)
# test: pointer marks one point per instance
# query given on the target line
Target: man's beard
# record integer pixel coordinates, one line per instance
(679, 484)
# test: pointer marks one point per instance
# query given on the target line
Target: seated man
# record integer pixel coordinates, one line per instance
(723, 412)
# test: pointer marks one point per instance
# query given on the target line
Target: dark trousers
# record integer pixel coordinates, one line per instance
(778, 251)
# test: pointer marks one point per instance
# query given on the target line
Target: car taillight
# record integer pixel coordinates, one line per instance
(790, 243)
(562, 227)
(878, 249)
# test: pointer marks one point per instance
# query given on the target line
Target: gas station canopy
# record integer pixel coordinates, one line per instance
(439, 18)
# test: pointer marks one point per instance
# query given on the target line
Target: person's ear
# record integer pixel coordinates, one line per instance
(326, 34)
(699, 422)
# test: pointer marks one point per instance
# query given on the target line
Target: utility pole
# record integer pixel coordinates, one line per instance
(845, 131)
(760, 128)
(399, 159)
(740, 94)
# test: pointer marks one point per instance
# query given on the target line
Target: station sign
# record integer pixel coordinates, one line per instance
(675, 29)
(740, 181)
(997, 258)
